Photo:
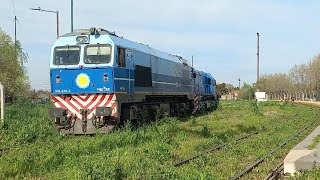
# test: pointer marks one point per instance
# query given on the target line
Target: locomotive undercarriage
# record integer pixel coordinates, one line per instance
(155, 107)
(69, 124)
(148, 109)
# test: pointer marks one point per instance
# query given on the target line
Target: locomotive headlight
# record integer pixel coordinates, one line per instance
(105, 77)
(58, 80)
(82, 39)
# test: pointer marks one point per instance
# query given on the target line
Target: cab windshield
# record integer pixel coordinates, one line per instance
(97, 54)
(66, 55)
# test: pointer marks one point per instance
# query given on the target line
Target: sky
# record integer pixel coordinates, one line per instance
(220, 35)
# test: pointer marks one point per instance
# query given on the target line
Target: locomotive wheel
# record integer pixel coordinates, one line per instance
(109, 126)
(108, 129)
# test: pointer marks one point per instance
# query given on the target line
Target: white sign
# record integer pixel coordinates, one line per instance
(261, 96)
(2, 99)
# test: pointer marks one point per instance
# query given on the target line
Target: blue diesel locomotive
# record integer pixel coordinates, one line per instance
(100, 80)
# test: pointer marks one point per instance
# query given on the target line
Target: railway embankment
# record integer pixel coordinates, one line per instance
(306, 154)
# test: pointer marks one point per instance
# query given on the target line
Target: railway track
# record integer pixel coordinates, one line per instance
(276, 172)
(216, 148)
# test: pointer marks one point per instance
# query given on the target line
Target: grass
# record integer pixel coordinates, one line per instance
(309, 174)
(33, 149)
(314, 143)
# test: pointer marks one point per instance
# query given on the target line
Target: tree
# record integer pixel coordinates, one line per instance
(302, 80)
(275, 83)
(314, 68)
(12, 70)
(300, 77)
(247, 92)
(230, 88)
(222, 89)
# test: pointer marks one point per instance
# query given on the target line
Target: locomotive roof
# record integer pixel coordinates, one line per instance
(120, 41)
(78, 32)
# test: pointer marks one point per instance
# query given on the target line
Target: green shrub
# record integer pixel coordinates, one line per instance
(206, 132)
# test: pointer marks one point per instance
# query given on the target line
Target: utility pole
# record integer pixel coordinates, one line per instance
(57, 13)
(192, 62)
(15, 39)
(15, 31)
(49, 11)
(258, 54)
(239, 82)
(71, 15)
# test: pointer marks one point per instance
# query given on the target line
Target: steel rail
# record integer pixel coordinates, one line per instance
(218, 147)
(259, 161)
(274, 174)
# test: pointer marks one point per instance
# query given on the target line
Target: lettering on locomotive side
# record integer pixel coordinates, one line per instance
(62, 91)
(103, 89)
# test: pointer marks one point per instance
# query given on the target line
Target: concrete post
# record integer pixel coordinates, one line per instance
(2, 101)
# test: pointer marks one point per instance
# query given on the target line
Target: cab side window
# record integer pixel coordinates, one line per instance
(209, 81)
(121, 57)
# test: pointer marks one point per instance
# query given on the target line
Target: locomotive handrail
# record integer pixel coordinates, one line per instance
(129, 90)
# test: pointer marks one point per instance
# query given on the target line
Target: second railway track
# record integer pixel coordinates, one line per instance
(216, 148)
(279, 169)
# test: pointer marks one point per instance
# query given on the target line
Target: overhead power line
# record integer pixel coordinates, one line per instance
(14, 9)
(15, 23)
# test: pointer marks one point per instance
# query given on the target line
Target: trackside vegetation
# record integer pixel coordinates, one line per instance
(31, 148)
(13, 74)
(314, 143)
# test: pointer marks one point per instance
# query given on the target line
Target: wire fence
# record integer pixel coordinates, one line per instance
(301, 96)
